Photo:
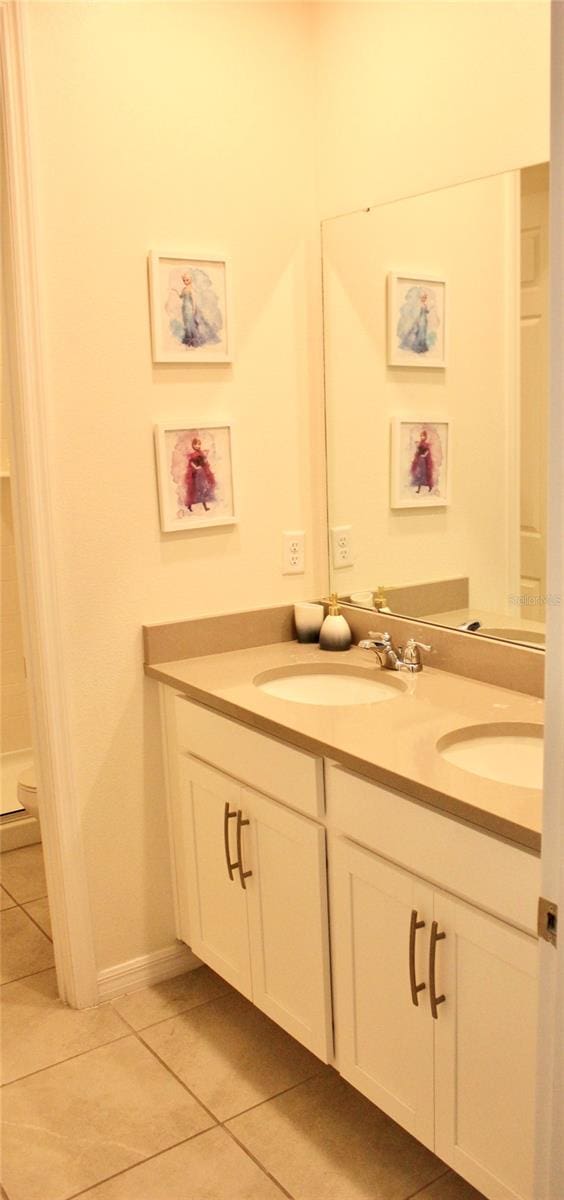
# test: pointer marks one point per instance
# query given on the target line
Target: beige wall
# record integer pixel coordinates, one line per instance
(167, 126)
(419, 94)
(467, 235)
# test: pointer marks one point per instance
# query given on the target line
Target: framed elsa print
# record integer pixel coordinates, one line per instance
(421, 463)
(416, 321)
(190, 308)
(195, 475)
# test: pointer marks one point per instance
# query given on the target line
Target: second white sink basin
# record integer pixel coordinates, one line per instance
(508, 753)
(329, 684)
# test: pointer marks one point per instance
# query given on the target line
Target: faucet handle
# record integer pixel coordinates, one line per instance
(411, 655)
(380, 637)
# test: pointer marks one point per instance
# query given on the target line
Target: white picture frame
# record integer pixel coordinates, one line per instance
(196, 484)
(190, 307)
(421, 462)
(417, 320)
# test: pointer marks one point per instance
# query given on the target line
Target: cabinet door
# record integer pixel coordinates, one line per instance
(485, 1036)
(288, 920)
(218, 909)
(384, 1042)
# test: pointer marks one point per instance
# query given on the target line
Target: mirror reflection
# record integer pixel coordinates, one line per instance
(436, 375)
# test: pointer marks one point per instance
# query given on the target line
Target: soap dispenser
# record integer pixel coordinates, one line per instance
(335, 632)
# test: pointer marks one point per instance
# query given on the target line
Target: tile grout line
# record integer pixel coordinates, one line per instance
(45, 934)
(19, 903)
(32, 974)
(9, 982)
(276, 1096)
(430, 1183)
(257, 1161)
(130, 1031)
(218, 1124)
(60, 1061)
(107, 1179)
(137, 1033)
(182, 1012)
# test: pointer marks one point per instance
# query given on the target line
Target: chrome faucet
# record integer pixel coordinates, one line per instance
(391, 659)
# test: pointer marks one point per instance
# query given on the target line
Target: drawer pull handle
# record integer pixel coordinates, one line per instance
(415, 987)
(227, 814)
(243, 875)
(435, 1000)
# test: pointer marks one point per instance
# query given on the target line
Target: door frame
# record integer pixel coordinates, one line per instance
(33, 527)
(549, 1183)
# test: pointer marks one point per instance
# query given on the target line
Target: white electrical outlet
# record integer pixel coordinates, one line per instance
(293, 557)
(341, 546)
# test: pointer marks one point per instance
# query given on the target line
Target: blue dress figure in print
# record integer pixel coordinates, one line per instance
(193, 310)
(417, 322)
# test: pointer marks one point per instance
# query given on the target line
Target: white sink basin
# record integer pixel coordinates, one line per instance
(508, 753)
(329, 684)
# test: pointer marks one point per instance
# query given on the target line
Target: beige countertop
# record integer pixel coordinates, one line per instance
(391, 742)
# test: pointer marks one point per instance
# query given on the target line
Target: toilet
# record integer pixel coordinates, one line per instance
(27, 792)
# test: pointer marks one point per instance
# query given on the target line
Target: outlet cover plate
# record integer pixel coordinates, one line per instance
(341, 546)
(293, 552)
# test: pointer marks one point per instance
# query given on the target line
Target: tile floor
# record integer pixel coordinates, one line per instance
(182, 1091)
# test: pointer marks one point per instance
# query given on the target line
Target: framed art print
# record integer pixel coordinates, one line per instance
(416, 321)
(421, 467)
(190, 309)
(195, 475)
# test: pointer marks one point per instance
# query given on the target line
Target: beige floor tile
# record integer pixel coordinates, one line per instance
(24, 948)
(323, 1139)
(230, 1055)
(450, 1187)
(209, 1167)
(23, 874)
(75, 1124)
(38, 910)
(168, 999)
(5, 900)
(39, 1031)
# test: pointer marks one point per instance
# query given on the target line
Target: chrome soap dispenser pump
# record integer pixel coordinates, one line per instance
(335, 632)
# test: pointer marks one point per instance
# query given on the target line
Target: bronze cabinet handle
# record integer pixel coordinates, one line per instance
(415, 987)
(435, 1000)
(227, 814)
(243, 875)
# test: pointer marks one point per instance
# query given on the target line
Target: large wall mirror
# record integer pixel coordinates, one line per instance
(436, 375)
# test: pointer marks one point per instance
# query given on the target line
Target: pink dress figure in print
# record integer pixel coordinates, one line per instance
(422, 465)
(200, 479)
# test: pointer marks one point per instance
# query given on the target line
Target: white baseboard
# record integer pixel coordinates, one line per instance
(143, 971)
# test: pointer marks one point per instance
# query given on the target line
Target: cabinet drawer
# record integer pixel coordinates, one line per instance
(256, 759)
(498, 877)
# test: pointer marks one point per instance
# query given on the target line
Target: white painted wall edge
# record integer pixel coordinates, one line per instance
(60, 819)
(146, 970)
(549, 1183)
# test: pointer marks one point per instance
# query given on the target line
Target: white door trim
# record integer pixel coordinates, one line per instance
(60, 817)
(550, 1060)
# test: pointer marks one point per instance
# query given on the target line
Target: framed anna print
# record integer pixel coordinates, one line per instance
(421, 463)
(190, 308)
(195, 475)
(416, 321)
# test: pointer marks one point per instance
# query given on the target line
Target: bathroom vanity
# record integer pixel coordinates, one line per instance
(375, 900)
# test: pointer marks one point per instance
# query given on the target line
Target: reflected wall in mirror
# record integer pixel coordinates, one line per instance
(479, 561)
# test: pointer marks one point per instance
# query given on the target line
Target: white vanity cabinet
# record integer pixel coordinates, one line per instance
(433, 934)
(435, 999)
(252, 876)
